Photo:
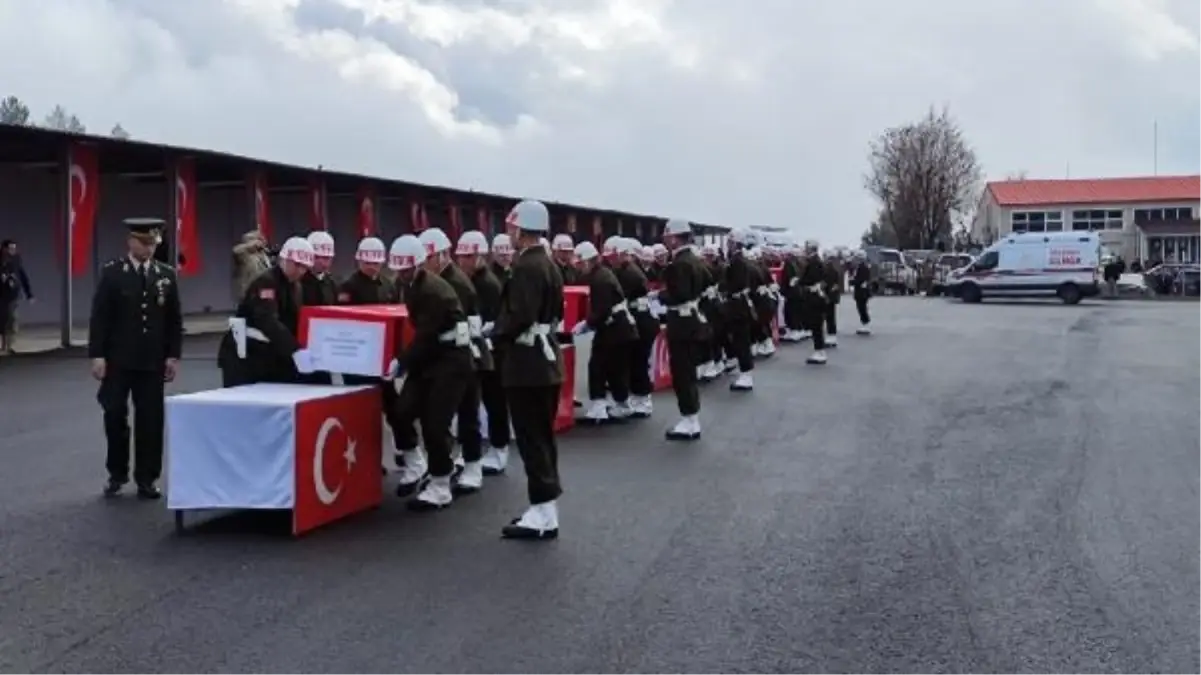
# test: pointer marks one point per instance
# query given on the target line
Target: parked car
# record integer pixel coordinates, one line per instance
(894, 274)
(1175, 279)
(943, 266)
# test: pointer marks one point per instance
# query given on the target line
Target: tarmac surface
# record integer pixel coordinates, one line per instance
(1002, 487)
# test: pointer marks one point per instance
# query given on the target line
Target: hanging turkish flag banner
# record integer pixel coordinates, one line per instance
(456, 221)
(317, 204)
(638, 230)
(571, 224)
(84, 200)
(417, 217)
(366, 201)
(187, 237)
(598, 232)
(482, 221)
(262, 211)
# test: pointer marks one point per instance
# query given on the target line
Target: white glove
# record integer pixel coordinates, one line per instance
(561, 327)
(486, 329)
(305, 364)
(393, 370)
(580, 328)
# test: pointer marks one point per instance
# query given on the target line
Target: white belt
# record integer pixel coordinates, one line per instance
(460, 336)
(711, 293)
(538, 335)
(240, 332)
(688, 309)
(475, 324)
(642, 304)
(621, 308)
(816, 288)
(795, 281)
(745, 294)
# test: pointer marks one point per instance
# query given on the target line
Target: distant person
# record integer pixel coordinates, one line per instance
(13, 281)
(252, 257)
(1111, 274)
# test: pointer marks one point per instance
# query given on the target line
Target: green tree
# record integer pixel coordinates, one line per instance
(119, 132)
(14, 111)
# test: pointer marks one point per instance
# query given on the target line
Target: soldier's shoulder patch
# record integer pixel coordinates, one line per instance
(266, 294)
(344, 297)
(112, 263)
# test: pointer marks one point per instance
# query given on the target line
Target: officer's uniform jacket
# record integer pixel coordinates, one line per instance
(861, 279)
(441, 343)
(833, 280)
(501, 272)
(530, 310)
(634, 286)
(571, 276)
(739, 280)
(685, 281)
(318, 290)
(481, 352)
(790, 277)
(271, 308)
(360, 289)
(136, 321)
(761, 293)
(608, 312)
(813, 277)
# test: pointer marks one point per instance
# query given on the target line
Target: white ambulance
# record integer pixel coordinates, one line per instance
(1030, 265)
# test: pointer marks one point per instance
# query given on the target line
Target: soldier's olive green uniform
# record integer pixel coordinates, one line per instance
(813, 302)
(487, 293)
(571, 276)
(532, 369)
(438, 367)
(684, 282)
(790, 287)
(634, 286)
(271, 308)
(136, 325)
(469, 404)
(861, 281)
(318, 291)
(764, 306)
(740, 310)
(833, 280)
(711, 306)
(614, 336)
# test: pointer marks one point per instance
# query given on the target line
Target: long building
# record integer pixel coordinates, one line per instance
(63, 197)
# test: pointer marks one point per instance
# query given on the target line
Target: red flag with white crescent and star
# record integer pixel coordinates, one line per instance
(84, 175)
(187, 234)
(367, 215)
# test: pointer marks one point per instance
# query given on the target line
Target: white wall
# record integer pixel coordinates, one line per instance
(1126, 241)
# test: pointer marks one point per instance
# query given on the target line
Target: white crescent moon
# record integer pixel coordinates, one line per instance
(77, 174)
(181, 204)
(323, 492)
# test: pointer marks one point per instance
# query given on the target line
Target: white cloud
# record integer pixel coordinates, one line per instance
(731, 113)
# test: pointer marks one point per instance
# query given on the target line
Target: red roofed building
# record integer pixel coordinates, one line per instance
(1145, 217)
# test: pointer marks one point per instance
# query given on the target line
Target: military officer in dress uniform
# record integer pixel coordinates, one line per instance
(531, 309)
(134, 342)
(563, 249)
(739, 309)
(261, 345)
(614, 335)
(861, 282)
(471, 254)
(438, 367)
(813, 301)
(684, 283)
(634, 286)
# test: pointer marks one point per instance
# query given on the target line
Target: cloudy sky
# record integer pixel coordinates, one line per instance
(756, 112)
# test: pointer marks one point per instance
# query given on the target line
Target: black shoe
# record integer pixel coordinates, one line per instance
(113, 487)
(148, 492)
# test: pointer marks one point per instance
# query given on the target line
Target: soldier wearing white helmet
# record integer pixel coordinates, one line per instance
(659, 259)
(684, 282)
(813, 301)
(637, 292)
(471, 254)
(610, 321)
(563, 250)
(318, 287)
(502, 256)
(861, 283)
(531, 309)
(261, 345)
(438, 367)
(763, 300)
(790, 287)
(711, 304)
(832, 268)
(740, 314)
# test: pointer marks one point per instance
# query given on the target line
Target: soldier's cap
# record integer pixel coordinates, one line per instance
(145, 228)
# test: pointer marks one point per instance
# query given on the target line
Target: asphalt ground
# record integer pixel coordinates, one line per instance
(1003, 487)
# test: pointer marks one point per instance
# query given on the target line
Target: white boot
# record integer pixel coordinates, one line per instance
(456, 456)
(598, 412)
(435, 495)
(470, 479)
(864, 330)
(744, 382)
(687, 429)
(641, 406)
(731, 365)
(769, 347)
(620, 410)
(495, 460)
(540, 521)
(817, 358)
(694, 425)
(806, 335)
(831, 340)
(700, 372)
(412, 473)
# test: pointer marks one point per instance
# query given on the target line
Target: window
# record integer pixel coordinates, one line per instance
(986, 262)
(1155, 215)
(1094, 220)
(1036, 221)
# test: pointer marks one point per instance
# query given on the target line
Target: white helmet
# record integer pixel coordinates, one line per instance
(627, 245)
(529, 215)
(371, 250)
(609, 248)
(323, 244)
(472, 242)
(297, 250)
(434, 240)
(562, 242)
(676, 227)
(659, 250)
(406, 253)
(646, 253)
(502, 245)
(585, 250)
(709, 250)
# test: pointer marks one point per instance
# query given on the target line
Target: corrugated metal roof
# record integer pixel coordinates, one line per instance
(1096, 190)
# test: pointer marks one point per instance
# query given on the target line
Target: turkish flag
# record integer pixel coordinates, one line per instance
(84, 174)
(660, 363)
(317, 204)
(262, 210)
(598, 230)
(367, 222)
(339, 450)
(187, 236)
(417, 217)
(482, 221)
(456, 221)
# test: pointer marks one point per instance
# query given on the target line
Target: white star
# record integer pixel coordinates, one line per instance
(349, 455)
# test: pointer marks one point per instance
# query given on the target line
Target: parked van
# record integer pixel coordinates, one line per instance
(1036, 264)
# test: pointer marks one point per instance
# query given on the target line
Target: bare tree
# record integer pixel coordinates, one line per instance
(119, 132)
(880, 233)
(14, 111)
(925, 177)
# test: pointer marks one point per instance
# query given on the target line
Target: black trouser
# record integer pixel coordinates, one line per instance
(609, 370)
(533, 410)
(740, 344)
(433, 401)
(792, 313)
(469, 422)
(492, 393)
(682, 357)
(813, 318)
(717, 339)
(831, 312)
(639, 359)
(861, 307)
(145, 388)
